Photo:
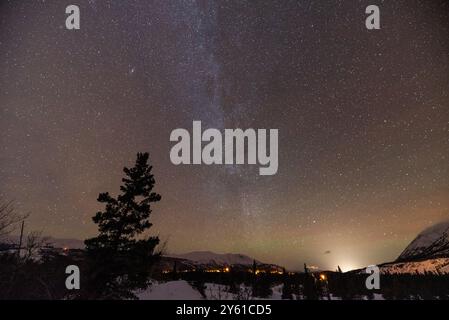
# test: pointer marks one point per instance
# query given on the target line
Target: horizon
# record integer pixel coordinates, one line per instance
(65, 243)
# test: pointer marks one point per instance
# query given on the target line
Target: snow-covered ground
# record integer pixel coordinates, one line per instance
(182, 290)
(172, 290)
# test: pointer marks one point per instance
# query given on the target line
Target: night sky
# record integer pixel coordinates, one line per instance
(363, 119)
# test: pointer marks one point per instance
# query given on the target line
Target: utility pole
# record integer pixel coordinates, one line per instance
(21, 239)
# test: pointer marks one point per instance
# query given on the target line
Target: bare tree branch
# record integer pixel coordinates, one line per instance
(34, 243)
(9, 218)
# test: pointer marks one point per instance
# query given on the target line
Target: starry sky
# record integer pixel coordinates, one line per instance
(363, 120)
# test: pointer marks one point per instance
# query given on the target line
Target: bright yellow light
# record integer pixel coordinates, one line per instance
(226, 269)
(323, 277)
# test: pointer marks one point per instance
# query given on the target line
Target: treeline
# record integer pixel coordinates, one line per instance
(321, 286)
(25, 278)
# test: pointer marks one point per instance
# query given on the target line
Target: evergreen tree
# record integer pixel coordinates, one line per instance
(262, 286)
(175, 275)
(287, 290)
(120, 257)
(309, 286)
(254, 267)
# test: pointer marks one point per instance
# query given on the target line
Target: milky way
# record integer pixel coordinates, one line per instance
(363, 119)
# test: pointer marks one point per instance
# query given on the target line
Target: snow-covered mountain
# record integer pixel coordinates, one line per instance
(207, 257)
(427, 253)
(436, 265)
(433, 242)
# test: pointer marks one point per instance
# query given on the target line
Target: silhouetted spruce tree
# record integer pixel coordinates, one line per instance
(175, 275)
(120, 257)
(262, 286)
(287, 290)
(310, 291)
(254, 269)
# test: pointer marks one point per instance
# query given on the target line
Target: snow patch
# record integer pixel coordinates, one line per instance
(172, 290)
(439, 265)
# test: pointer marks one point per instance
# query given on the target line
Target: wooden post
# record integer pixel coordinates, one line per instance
(21, 239)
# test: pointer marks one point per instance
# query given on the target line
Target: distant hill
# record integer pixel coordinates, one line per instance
(206, 260)
(207, 257)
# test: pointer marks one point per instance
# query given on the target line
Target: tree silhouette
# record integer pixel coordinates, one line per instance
(9, 218)
(120, 258)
